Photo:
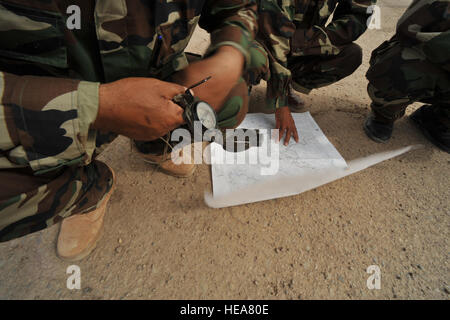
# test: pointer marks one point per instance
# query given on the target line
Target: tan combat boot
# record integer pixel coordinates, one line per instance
(164, 161)
(79, 233)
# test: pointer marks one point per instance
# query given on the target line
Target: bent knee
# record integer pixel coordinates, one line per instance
(353, 58)
(235, 107)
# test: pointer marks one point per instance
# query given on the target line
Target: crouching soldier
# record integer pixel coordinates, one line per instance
(413, 66)
(305, 52)
(67, 92)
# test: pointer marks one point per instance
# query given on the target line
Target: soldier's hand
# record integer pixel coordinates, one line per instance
(285, 123)
(139, 108)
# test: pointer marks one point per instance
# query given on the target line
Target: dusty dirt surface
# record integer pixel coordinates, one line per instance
(160, 240)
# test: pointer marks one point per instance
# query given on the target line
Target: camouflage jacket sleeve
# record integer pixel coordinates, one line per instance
(276, 28)
(230, 23)
(426, 26)
(348, 24)
(44, 121)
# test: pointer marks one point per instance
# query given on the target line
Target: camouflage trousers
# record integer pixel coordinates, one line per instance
(399, 76)
(312, 72)
(29, 203)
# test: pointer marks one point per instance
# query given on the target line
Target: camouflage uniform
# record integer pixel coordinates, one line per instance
(306, 52)
(49, 82)
(415, 64)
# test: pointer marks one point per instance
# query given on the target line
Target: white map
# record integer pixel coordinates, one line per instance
(313, 152)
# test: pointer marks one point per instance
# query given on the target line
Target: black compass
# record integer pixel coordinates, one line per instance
(196, 110)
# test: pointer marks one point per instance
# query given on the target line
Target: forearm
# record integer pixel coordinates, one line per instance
(277, 86)
(225, 68)
(314, 41)
(348, 24)
(347, 29)
(276, 29)
(437, 50)
(349, 21)
(412, 26)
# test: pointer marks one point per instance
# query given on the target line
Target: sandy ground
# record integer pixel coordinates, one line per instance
(161, 241)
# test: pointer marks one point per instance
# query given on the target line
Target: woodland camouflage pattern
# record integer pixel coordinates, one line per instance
(49, 83)
(290, 29)
(415, 64)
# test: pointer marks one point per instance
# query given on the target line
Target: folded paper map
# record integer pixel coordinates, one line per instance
(274, 170)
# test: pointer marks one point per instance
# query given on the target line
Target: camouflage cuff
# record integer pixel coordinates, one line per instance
(314, 41)
(47, 121)
(277, 92)
(277, 102)
(87, 113)
(281, 102)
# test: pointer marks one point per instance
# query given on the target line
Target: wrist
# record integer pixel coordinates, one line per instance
(108, 95)
(282, 109)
